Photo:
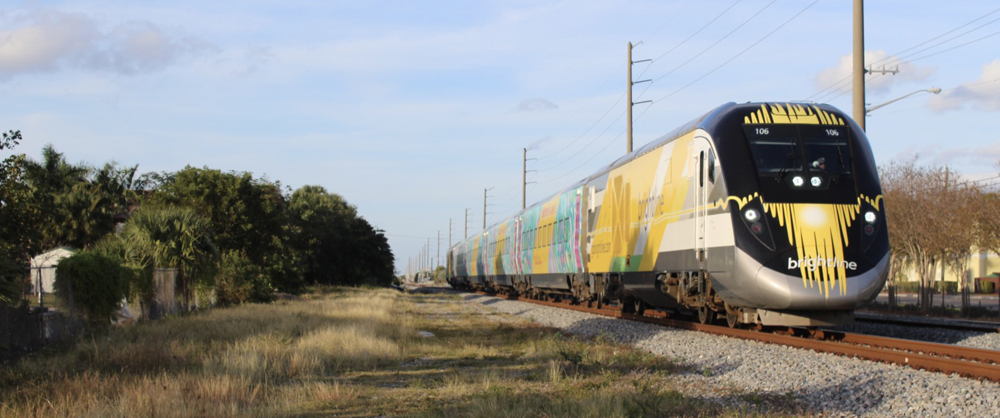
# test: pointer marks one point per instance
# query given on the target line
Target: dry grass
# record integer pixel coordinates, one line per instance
(349, 353)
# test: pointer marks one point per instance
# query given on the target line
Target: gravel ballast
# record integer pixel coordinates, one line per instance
(830, 385)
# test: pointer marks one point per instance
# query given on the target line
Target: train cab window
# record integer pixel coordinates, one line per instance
(827, 150)
(774, 148)
(803, 162)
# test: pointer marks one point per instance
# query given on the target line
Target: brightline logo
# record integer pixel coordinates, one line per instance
(812, 264)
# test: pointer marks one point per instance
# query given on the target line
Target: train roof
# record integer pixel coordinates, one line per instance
(707, 122)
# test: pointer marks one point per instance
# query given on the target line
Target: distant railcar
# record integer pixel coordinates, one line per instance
(759, 213)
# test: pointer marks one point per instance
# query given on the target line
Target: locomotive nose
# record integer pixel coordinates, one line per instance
(813, 283)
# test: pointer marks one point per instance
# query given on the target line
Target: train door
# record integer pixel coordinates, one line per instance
(705, 176)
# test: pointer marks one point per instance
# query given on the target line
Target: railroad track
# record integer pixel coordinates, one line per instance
(974, 363)
(952, 325)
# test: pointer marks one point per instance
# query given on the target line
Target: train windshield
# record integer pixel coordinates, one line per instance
(802, 159)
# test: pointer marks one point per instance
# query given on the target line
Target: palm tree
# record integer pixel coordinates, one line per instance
(173, 237)
(52, 182)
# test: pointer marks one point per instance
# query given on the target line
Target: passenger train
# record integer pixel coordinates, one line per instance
(758, 213)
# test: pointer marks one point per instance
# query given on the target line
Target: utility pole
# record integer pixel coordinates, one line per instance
(466, 224)
(628, 148)
(439, 249)
(484, 205)
(524, 178)
(859, 64)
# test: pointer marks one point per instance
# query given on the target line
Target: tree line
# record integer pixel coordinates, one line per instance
(936, 220)
(243, 237)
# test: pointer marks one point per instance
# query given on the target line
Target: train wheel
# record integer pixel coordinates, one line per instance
(703, 314)
(732, 320)
(732, 316)
(639, 308)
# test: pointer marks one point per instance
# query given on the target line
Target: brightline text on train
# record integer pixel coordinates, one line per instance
(812, 264)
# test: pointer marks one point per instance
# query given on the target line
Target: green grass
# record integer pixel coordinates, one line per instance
(353, 353)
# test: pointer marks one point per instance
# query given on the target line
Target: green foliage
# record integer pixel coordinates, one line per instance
(440, 275)
(132, 252)
(335, 245)
(18, 225)
(987, 287)
(78, 204)
(246, 215)
(96, 284)
(172, 237)
(240, 281)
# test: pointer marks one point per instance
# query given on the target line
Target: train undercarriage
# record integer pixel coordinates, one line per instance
(687, 294)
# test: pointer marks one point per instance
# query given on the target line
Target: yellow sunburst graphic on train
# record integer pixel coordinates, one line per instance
(792, 113)
(820, 234)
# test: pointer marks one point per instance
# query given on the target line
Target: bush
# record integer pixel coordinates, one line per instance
(907, 287)
(95, 282)
(987, 287)
(240, 281)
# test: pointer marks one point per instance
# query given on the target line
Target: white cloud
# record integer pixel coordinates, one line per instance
(838, 78)
(535, 105)
(977, 158)
(984, 93)
(49, 40)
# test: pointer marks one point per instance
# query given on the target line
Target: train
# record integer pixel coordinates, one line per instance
(759, 214)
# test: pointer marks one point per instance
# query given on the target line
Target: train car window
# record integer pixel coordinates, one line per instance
(701, 170)
(711, 166)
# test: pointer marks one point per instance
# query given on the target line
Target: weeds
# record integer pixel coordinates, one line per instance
(345, 352)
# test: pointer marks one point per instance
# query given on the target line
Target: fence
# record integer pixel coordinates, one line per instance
(41, 319)
(25, 329)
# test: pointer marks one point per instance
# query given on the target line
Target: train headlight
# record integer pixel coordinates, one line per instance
(870, 217)
(798, 181)
(751, 215)
(816, 181)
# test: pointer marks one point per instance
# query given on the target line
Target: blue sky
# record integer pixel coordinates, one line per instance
(410, 109)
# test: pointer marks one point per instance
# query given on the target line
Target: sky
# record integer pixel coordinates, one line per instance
(411, 109)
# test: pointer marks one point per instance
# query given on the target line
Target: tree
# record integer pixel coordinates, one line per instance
(94, 283)
(912, 212)
(18, 232)
(166, 237)
(247, 215)
(334, 244)
(55, 185)
(321, 231)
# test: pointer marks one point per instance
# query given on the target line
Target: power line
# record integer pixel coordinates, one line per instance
(901, 57)
(837, 85)
(615, 139)
(735, 56)
(956, 46)
(585, 132)
(695, 33)
(716, 42)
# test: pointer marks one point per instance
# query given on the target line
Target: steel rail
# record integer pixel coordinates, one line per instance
(934, 357)
(961, 326)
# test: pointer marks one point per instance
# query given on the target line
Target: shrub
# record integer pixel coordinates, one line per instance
(95, 282)
(987, 287)
(239, 281)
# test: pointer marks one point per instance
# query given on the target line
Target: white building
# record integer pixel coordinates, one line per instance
(43, 269)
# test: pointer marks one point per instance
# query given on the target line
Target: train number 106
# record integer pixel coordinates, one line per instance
(763, 131)
(832, 132)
